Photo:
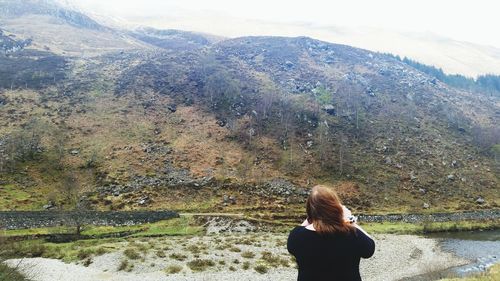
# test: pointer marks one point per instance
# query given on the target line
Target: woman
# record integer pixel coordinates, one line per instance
(329, 244)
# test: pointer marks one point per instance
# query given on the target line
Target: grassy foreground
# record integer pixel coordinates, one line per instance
(180, 246)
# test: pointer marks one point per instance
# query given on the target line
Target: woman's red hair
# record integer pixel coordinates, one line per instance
(324, 211)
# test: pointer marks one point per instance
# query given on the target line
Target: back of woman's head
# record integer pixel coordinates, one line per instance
(325, 212)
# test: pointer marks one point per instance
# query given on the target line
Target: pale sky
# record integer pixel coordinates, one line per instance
(475, 21)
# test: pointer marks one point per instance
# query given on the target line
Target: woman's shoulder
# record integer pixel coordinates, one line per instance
(299, 231)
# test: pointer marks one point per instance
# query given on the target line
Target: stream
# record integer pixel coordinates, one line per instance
(481, 248)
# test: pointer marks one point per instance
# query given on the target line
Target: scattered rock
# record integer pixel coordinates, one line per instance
(330, 109)
(188, 101)
(480, 200)
(426, 206)
(229, 200)
(49, 206)
(451, 177)
(74, 152)
(388, 160)
(144, 200)
(172, 108)
(219, 160)
(412, 176)
(221, 122)
(309, 144)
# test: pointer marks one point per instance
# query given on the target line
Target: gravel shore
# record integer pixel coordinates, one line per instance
(396, 257)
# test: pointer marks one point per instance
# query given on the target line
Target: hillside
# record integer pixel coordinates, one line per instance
(62, 31)
(177, 120)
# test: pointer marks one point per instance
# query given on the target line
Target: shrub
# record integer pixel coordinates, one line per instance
(246, 265)
(261, 269)
(193, 249)
(100, 251)
(160, 254)
(235, 249)
(248, 255)
(87, 262)
(179, 257)
(83, 254)
(274, 260)
(200, 264)
(131, 254)
(173, 269)
(123, 265)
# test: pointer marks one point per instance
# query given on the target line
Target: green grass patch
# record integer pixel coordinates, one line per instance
(14, 198)
(68, 252)
(184, 225)
(36, 231)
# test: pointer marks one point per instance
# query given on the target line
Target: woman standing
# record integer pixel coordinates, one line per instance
(329, 244)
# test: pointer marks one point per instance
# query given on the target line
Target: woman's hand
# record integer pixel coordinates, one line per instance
(348, 217)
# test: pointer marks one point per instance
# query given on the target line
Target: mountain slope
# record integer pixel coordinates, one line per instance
(258, 118)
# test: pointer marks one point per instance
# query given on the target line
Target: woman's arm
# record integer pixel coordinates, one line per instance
(365, 244)
(362, 230)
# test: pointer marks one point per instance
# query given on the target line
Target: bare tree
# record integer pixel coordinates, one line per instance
(73, 202)
(324, 141)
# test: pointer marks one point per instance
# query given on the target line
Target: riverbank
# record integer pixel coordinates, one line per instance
(493, 274)
(254, 256)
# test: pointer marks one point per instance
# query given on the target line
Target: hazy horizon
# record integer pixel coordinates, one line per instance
(473, 22)
(452, 35)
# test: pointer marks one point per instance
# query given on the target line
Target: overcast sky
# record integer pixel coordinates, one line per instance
(475, 21)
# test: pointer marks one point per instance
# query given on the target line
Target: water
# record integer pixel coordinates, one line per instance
(485, 235)
(482, 248)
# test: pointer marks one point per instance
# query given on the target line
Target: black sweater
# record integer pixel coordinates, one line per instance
(331, 257)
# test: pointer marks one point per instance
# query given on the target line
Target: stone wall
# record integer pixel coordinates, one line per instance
(436, 217)
(36, 219)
